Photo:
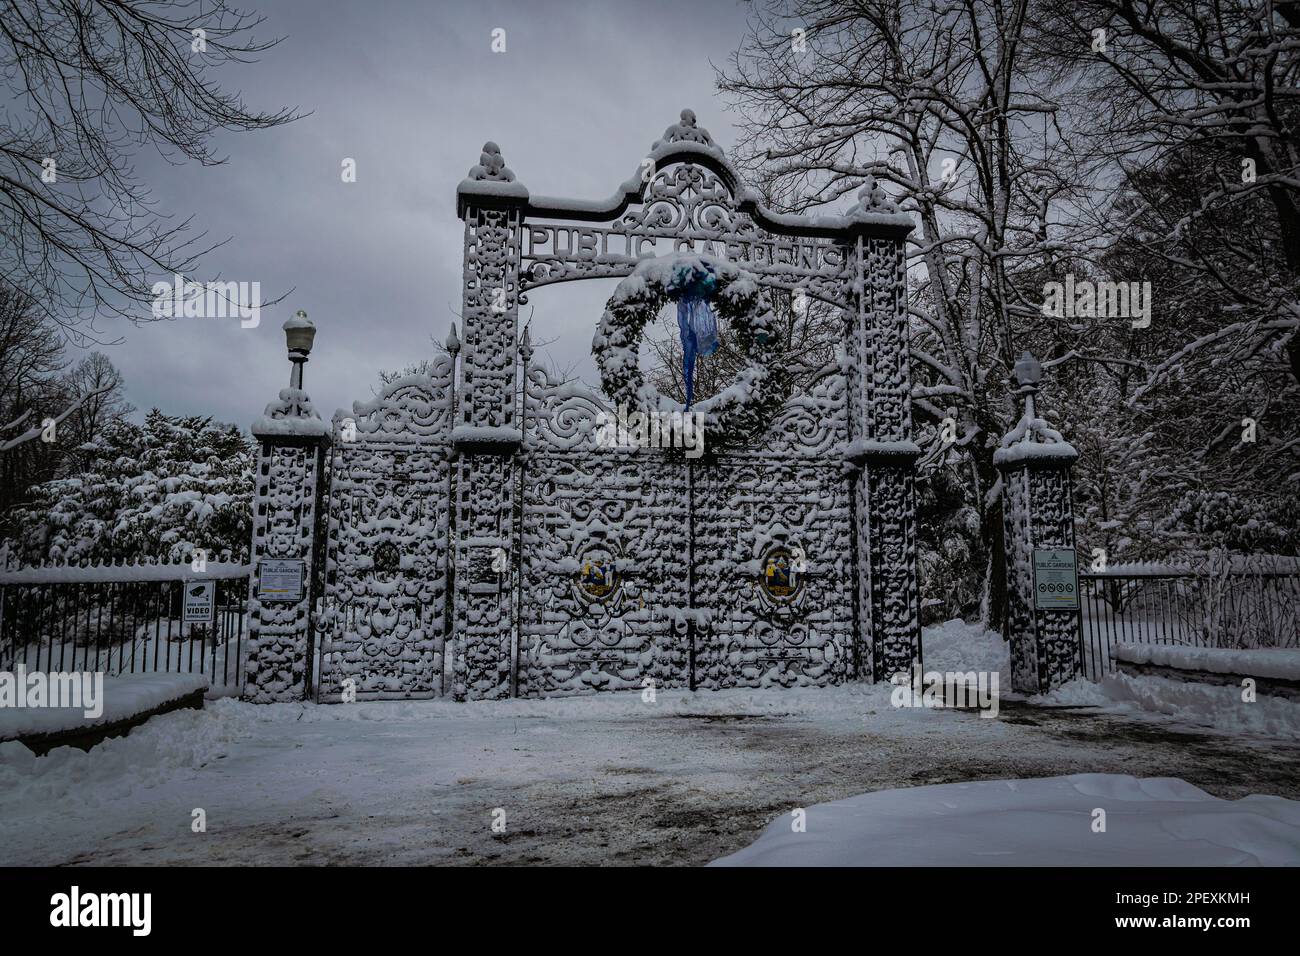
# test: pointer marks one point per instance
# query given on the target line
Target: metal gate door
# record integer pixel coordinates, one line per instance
(384, 623)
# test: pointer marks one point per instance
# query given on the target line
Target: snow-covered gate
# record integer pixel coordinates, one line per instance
(789, 561)
(383, 626)
(472, 513)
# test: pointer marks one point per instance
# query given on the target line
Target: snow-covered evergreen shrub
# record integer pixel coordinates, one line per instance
(159, 491)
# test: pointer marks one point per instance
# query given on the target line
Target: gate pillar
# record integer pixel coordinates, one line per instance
(881, 448)
(1038, 516)
(487, 436)
(288, 494)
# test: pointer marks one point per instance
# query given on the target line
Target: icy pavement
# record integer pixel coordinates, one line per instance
(1081, 820)
(603, 779)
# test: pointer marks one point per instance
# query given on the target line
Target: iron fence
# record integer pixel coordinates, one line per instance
(124, 620)
(1235, 609)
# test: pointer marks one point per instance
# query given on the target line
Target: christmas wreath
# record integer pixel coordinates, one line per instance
(702, 286)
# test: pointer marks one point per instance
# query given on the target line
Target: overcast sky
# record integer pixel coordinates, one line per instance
(411, 90)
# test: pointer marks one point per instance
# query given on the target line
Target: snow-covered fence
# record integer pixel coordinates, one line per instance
(1232, 606)
(127, 618)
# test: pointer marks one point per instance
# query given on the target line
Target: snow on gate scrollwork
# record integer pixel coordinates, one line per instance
(384, 628)
(680, 549)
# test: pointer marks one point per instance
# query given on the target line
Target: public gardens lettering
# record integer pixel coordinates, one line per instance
(597, 244)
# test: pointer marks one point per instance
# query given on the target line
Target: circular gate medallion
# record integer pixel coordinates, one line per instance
(782, 574)
(598, 577)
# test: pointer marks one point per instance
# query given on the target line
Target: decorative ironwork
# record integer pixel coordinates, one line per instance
(788, 559)
(383, 629)
(684, 207)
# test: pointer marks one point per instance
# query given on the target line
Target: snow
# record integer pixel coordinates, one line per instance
(1278, 663)
(1160, 821)
(493, 188)
(123, 697)
(686, 778)
(957, 646)
(867, 448)
(1032, 439)
(1216, 707)
(831, 223)
(264, 425)
(292, 415)
(1203, 565)
(485, 435)
(59, 574)
(1028, 450)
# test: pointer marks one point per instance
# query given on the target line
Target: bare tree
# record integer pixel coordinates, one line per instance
(31, 359)
(935, 98)
(98, 385)
(89, 83)
(1165, 83)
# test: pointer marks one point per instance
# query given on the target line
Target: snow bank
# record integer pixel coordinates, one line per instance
(123, 697)
(1215, 706)
(1159, 821)
(958, 646)
(1278, 663)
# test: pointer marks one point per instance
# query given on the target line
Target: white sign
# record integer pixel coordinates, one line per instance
(1056, 580)
(200, 602)
(280, 580)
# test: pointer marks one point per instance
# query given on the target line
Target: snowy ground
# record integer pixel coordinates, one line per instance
(604, 779)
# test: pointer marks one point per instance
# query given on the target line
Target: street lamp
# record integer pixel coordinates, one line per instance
(1027, 373)
(299, 333)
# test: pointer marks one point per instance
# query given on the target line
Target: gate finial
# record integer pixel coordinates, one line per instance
(491, 165)
(686, 131)
(872, 198)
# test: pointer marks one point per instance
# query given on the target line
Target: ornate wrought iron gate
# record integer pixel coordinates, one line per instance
(383, 630)
(475, 517)
(640, 566)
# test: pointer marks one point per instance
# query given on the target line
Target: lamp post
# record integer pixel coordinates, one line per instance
(1028, 372)
(299, 332)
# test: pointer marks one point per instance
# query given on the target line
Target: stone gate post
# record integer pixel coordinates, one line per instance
(1038, 527)
(288, 492)
(881, 446)
(487, 435)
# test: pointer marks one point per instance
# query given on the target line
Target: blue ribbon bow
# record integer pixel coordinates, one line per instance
(691, 285)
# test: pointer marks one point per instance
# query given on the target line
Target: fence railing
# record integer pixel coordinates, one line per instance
(124, 619)
(1238, 609)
